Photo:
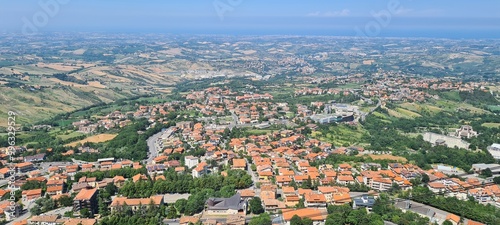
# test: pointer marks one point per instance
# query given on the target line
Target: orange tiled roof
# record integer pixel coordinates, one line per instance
(85, 194)
(311, 213)
(453, 217)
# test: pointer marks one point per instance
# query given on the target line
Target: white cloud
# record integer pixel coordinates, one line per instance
(418, 13)
(343, 12)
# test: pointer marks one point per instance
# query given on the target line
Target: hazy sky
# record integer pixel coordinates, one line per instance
(454, 18)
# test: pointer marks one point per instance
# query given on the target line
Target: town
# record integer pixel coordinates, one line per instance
(221, 156)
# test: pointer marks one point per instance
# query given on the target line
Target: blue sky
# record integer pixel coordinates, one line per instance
(320, 17)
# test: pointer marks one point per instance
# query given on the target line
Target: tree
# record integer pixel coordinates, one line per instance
(262, 219)
(172, 212)
(180, 205)
(496, 180)
(296, 220)
(301, 203)
(102, 207)
(394, 188)
(293, 184)
(447, 222)
(36, 210)
(425, 178)
(357, 217)
(256, 206)
(65, 201)
(85, 213)
(227, 191)
(307, 221)
(487, 172)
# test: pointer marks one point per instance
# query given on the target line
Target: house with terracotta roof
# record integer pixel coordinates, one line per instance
(283, 180)
(436, 186)
(472, 222)
(119, 181)
(240, 164)
(139, 177)
(136, 203)
(315, 200)
(54, 190)
(292, 200)
(186, 220)
(341, 198)
(273, 205)
(381, 184)
(287, 190)
(200, 170)
(265, 175)
(454, 219)
(80, 221)
(345, 179)
(344, 167)
(8, 211)
(4, 173)
(28, 195)
(86, 199)
(45, 220)
(24, 167)
(3, 192)
(329, 191)
(247, 193)
(317, 215)
(303, 191)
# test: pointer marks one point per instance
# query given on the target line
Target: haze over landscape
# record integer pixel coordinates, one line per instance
(369, 112)
(449, 18)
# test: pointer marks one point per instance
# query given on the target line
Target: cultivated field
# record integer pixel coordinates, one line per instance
(491, 125)
(93, 139)
(389, 157)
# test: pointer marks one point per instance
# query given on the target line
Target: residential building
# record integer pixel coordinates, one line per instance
(45, 220)
(465, 131)
(381, 184)
(315, 200)
(35, 158)
(86, 199)
(29, 195)
(4, 173)
(226, 206)
(190, 161)
(80, 221)
(136, 203)
(200, 170)
(364, 201)
(24, 167)
(317, 215)
(239, 164)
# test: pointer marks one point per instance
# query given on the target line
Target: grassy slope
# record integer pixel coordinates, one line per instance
(37, 105)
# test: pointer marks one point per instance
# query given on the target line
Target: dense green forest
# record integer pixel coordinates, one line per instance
(185, 183)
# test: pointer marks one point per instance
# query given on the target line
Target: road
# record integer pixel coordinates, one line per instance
(27, 207)
(235, 120)
(59, 211)
(153, 147)
(3, 182)
(254, 177)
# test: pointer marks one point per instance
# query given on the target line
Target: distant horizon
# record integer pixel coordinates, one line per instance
(453, 19)
(422, 34)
